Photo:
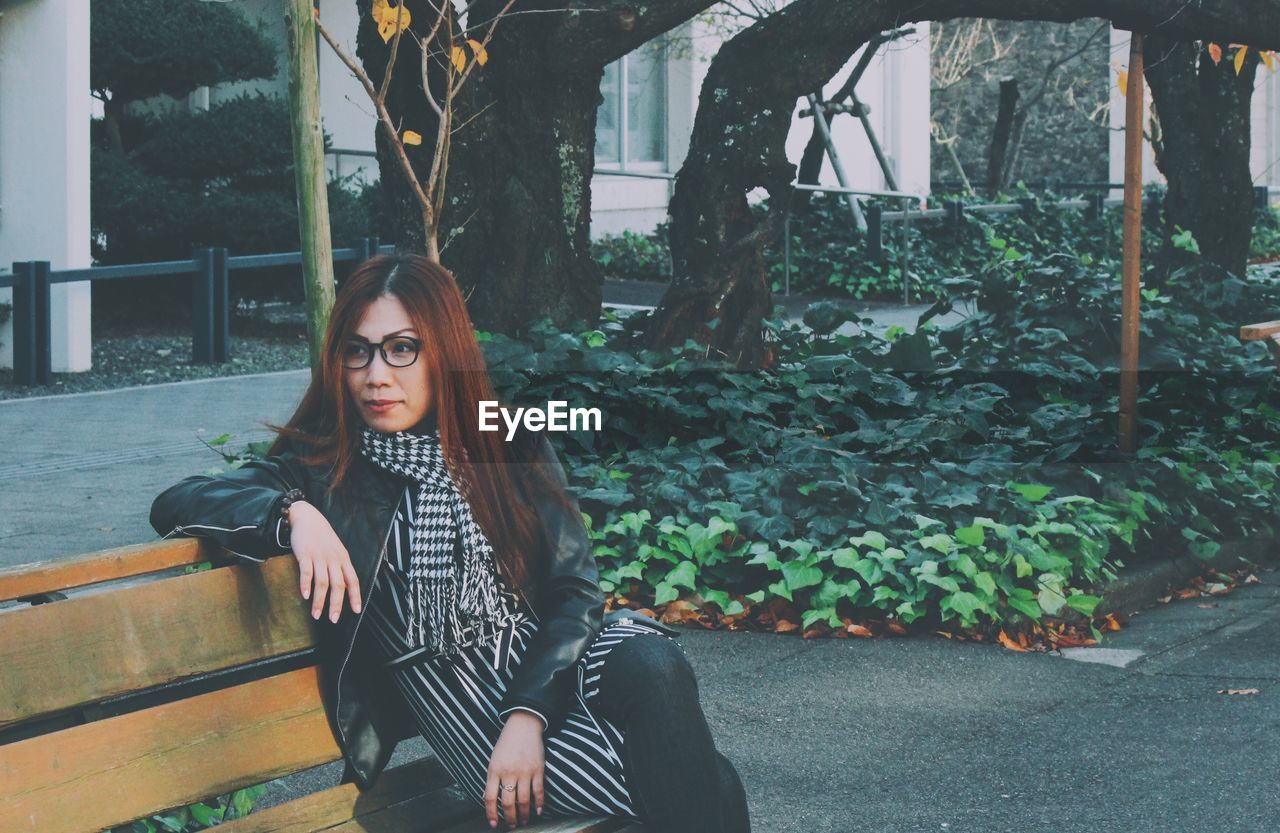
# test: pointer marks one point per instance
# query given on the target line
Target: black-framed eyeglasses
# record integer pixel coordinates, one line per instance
(397, 351)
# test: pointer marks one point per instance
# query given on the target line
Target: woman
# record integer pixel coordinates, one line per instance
(484, 629)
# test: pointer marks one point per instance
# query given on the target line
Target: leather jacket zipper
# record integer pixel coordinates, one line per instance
(364, 607)
(183, 527)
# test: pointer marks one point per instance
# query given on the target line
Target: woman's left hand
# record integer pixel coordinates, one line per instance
(517, 760)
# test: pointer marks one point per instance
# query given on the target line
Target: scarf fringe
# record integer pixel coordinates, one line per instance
(448, 608)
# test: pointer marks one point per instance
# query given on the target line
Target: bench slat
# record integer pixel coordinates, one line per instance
(107, 565)
(405, 798)
(80, 650)
(1254, 332)
(88, 778)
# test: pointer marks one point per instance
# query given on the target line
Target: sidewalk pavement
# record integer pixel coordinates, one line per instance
(829, 736)
(623, 295)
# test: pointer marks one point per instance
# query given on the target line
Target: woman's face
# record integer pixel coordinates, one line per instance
(389, 398)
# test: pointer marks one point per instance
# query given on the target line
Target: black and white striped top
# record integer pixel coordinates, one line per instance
(455, 701)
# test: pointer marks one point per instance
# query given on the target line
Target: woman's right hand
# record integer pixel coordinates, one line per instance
(323, 562)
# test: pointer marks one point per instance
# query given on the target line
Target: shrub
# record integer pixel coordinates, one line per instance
(222, 177)
(633, 256)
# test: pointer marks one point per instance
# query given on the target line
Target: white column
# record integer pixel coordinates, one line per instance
(44, 160)
(909, 109)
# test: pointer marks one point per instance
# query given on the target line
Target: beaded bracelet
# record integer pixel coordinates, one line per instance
(290, 497)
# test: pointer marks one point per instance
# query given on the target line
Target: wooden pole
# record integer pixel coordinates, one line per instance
(1131, 268)
(308, 164)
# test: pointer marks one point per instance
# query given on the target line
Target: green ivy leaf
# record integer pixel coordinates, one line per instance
(972, 536)
(1033, 492)
(1083, 603)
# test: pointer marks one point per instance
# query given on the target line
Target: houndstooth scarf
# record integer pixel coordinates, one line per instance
(443, 613)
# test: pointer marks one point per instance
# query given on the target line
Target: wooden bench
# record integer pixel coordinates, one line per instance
(120, 701)
(1269, 330)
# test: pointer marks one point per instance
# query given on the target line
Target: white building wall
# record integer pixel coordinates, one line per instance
(1264, 154)
(44, 160)
(1119, 63)
(895, 86)
(348, 114)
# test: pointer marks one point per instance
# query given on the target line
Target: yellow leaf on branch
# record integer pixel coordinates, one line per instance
(1268, 58)
(459, 57)
(386, 15)
(1122, 81)
(482, 54)
(412, 137)
(1240, 58)
(1215, 52)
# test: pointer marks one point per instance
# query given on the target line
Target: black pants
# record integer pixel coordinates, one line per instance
(677, 779)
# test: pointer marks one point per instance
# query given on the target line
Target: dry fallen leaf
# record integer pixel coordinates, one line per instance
(1010, 644)
(785, 626)
(859, 630)
(896, 628)
(1252, 579)
(679, 610)
(1164, 600)
(1237, 691)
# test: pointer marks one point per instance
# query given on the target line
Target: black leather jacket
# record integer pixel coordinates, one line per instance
(238, 510)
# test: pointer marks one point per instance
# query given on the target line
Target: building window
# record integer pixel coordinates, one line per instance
(631, 124)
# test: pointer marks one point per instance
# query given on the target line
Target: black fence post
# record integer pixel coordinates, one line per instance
(202, 307)
(32, 324)
(1097, 205)
(1261, 196)
(221, 348)
(44, 321)
(1028, 205)
(955, 212)
(24, 324)
(368, 247)
(875, 225)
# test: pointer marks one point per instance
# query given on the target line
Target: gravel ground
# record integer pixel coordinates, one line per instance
(125, 355)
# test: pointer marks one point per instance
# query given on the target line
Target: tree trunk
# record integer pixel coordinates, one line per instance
(1000, 135)
(517, 212)
(1203, 152)
(1014, 148)
(740, 130)
(515, 225)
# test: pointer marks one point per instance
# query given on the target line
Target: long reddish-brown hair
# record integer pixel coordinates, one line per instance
(328, 421)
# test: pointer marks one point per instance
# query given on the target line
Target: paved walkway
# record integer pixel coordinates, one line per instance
(79, 471)
(830, 736)
(625, 295)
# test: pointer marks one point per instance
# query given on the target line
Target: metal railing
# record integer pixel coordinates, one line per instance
(208, 269)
